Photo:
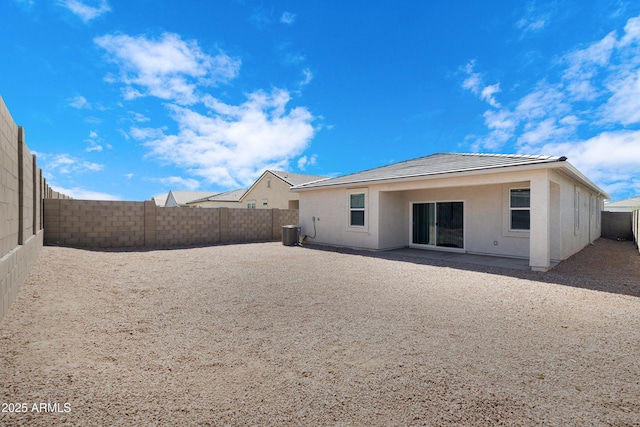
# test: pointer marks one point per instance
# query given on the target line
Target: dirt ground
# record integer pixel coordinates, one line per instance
(265, 334)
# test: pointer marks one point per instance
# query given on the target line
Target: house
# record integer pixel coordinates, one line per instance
(228, 199)
(626, 205)
(160, 200)
(272, 190)
(181, 198)
(539, 208)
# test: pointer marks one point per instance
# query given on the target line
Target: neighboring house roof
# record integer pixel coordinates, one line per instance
(184, 197)
(292, 178)
(438, 164)
(228, 196)
(289, 178)
(626, 204)
(160, 199)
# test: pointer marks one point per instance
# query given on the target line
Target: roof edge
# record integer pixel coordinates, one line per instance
(530, 160)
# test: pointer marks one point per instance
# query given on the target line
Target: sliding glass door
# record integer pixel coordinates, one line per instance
(438, 224)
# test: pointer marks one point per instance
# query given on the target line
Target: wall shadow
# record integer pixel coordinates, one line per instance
(606, 266)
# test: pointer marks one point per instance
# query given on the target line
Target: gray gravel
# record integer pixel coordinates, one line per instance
(264, 334)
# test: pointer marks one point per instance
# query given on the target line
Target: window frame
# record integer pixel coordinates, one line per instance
(519, 208)
(435, 246)
(364, 210)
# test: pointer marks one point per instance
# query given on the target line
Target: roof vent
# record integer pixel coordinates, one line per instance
(562, 159)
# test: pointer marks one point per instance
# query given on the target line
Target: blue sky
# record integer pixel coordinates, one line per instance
(130, 99)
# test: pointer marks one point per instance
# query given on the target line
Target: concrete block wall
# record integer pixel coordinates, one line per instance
(94, 224)
(22, 188)
(9, 181)
(247, 225)
(106, 224)
(282, 217)
(26, 185)
(187, 226)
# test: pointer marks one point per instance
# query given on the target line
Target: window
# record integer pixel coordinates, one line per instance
(438, 224)
(251, 205)
(356, 210)
(520, 208)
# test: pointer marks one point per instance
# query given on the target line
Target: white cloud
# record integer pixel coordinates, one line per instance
(584, 65)
(611, 159)
(308, 76)
(179, 183)
(66, 164)
(79, 102)
(589, 111)
(84, 194)
(95, 142)
(146, 133)
(474, 83)
(305, 161)
(533, 21)
(84, 11)
(605, 74)
(631, 32)
(624, 104)
(231, 145)
(137, 117)
(473, 80)
(168, 68)
(487, 94)
(288, 18)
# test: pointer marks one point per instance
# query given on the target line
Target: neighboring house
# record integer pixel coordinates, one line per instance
(626, 205)
(160, 199)
(229, 199)
(539, 208)
(181, 198)
(272, 190)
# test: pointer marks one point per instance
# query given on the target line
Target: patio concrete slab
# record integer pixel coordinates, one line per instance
(486, 260)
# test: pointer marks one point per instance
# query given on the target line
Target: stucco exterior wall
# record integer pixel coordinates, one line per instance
(486, 213)
(393, 220)
(217, 204)
(589, 207)
(485, 217)
(271, 190)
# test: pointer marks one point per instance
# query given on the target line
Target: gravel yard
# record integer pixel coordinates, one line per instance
(265, 334)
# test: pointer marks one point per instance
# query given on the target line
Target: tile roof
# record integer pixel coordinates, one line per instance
(296, 178)
(435, 164)
(630, 202)
(227, 196)
(160, 199)
(183, 197)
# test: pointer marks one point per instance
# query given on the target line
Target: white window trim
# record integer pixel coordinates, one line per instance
(515, 232)
(358, 228)
(506, 210)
